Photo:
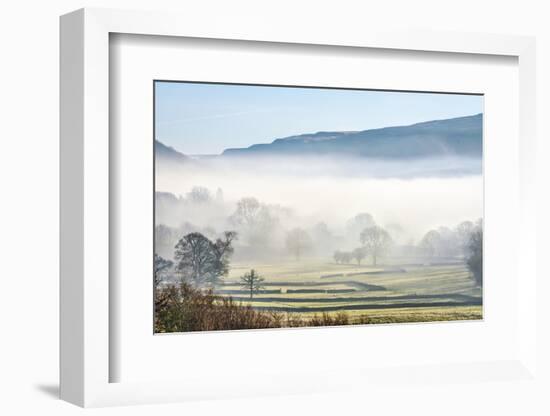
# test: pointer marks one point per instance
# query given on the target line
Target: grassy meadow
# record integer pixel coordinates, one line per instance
(388, 293)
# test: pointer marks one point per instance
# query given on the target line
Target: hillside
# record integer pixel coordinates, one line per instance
(168, 154)
(460, 137)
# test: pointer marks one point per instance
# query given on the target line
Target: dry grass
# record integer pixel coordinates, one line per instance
(182, 308)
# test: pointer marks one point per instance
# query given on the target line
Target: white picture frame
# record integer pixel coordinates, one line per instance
(85, 353)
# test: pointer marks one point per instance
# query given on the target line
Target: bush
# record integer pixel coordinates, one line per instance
(184, 308)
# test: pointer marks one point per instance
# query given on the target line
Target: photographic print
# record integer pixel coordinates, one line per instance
(288, 206)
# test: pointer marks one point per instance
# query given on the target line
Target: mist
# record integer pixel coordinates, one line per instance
(408, 197)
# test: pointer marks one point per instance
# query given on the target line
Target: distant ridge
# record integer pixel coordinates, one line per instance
(461, 137)
(168, 154)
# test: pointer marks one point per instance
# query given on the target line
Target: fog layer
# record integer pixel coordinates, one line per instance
(414, 195)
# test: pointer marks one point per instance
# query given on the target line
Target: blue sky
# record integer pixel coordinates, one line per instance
(209, 118)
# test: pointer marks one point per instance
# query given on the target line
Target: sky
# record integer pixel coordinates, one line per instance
(203, 119)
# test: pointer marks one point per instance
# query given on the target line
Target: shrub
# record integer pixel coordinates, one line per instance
(184, 308)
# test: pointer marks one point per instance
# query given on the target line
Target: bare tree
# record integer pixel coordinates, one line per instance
(431, 243)
(359, 254)
(161, 266)
(255, 222)
(202, 261)
(252, 282)
(297, 242)
(376, 242)
(247, 212)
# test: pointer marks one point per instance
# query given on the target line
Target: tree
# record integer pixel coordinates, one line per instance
(463, 232)
(346, 257)
(247, 212)
(297, 242)
(474, 258)
(199, 195)
(376, 242)
(359, 254)
(222, 251)
(361, 221)
(161, 266)
(202, 261)
(255, 221)
(252, 282)
(355, 225)
(337, 256)
(430, 243)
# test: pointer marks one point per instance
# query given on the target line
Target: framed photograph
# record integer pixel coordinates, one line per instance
(324, 227)
(271, 205)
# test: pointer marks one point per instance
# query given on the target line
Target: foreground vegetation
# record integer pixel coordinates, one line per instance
(204, 289)
(183, 308)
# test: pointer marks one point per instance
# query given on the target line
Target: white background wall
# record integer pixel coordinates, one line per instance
(29, 205)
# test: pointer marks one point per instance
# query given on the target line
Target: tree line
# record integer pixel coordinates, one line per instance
(465, 241)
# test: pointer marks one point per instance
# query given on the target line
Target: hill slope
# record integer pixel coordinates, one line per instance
(452, 137)
(165, 153)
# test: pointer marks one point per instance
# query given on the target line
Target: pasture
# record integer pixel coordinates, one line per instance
(391, 293)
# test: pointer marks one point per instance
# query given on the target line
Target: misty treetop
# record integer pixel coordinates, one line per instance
(264, 232)
(376, 241)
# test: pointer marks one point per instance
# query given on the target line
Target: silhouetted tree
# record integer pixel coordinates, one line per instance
(200, 260)
(252, 282)
(161, 266)
(222, 251)
(474, 258)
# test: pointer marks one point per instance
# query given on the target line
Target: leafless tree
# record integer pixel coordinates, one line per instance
(202, 261)
(376, 242)
(247, 212)
(252, 282)
(430, 243)
(161, 266)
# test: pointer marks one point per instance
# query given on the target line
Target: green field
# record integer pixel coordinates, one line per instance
(397, 292)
